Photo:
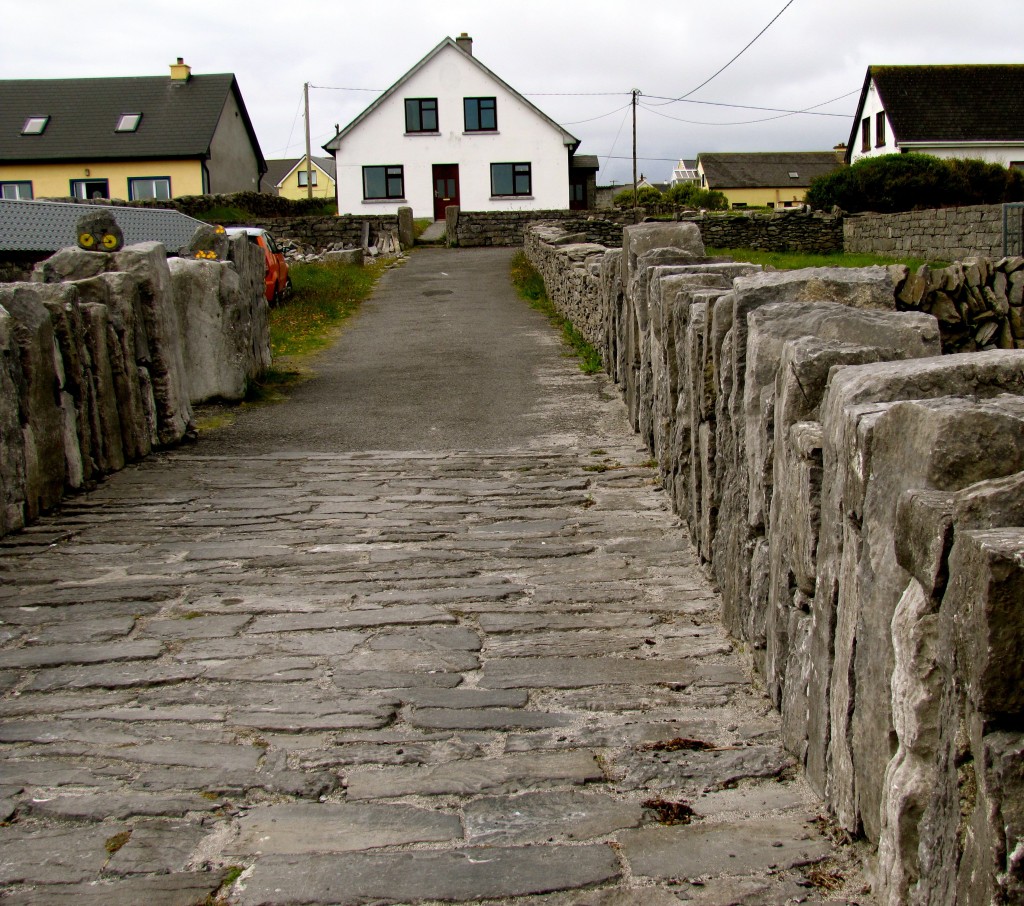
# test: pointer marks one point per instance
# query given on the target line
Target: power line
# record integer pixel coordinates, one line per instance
(601, 117)
(735, 58)
(812, 110)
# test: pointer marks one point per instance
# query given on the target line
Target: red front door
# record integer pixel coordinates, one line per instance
(446, 188)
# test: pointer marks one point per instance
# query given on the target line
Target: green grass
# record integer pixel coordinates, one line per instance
(225, 214)
(788, 261)
(419, 226)
(323, 297)
(530, 286)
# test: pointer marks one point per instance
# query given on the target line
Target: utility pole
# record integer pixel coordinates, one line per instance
(309, 160)
(636, 94)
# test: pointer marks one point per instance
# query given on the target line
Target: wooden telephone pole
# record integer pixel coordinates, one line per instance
(636, 94)
(309, 160)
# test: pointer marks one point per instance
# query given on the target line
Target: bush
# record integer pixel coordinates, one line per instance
(688, 195)
(646, 195)
(908, 182)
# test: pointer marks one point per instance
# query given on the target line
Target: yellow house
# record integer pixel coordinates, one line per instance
(772, 179)
(127, 138)
(287, 177)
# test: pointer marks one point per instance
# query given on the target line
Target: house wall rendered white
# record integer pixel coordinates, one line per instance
(991, 152)
(523, 136)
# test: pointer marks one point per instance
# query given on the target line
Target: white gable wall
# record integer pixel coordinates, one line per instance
(522, 137)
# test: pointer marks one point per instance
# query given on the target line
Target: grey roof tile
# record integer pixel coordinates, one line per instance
(767, 169)
(960, 103)
(179, 118)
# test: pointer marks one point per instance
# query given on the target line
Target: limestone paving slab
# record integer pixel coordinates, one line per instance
(336, 827)
(459, 875)
(336, 710)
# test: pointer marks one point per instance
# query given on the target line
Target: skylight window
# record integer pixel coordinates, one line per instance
(35, 125)
(128, 122)
(793, 174)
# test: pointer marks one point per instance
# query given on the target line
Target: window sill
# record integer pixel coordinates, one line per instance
(481, 132)
(435, 134)
(384, 201)
(512, 198)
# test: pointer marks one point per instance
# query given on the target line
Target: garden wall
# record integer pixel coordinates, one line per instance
(102, 356)
(782, 231)
(859, 500)
(942, 234)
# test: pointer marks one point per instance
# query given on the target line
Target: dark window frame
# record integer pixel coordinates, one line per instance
(415, 110)
(516, 173)
(880, 129)
(19, 184)
(389, 194)
(84, 182)
(865, 134)
(301, 174)
(476, 105)
(132, 180)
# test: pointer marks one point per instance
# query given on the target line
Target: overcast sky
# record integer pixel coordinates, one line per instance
(577, 61)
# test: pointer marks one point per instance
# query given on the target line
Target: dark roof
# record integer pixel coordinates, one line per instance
(335, 143)
(45, 226)
(767, 169)
(973, 103)
(179, 118)
(585, 162)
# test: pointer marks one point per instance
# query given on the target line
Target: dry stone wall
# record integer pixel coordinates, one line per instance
(102, 356)
(858, 496)
(939, 234)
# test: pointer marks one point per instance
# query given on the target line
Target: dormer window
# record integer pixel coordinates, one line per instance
(128, 122)
(35, 125)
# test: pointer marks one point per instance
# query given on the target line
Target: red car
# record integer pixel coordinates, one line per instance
(279, 284)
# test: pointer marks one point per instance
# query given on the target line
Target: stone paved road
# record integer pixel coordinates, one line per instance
(390, 677)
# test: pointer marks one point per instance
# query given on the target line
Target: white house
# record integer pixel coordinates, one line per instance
(450, 132)
(974, 111)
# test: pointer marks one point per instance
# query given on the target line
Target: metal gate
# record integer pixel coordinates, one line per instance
(1013, 228)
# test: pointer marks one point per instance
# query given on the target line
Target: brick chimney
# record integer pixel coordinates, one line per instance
(180, 71)
(465, 42)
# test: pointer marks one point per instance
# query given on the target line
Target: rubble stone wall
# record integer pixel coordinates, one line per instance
(102, 356)
(858, 497)
(941, 234)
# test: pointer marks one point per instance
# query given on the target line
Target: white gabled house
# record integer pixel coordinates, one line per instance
(972, 111)
(450, 132)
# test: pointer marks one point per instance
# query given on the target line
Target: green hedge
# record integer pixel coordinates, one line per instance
(908, 182)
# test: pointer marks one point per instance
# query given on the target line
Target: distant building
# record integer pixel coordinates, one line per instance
(685, 173)
(773, 179)
(450, 132)
(287, 177)
(974, 111)
(127, 138)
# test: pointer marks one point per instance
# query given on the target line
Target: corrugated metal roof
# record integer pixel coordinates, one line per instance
(46, 226)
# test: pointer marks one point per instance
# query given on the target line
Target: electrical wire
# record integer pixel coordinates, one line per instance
(746, 47)
(601, 117)
(782, 114)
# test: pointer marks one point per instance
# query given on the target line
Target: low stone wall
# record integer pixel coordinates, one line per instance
(942, 234)
(781, 231)
(321, 232)
(507, 228)
(858, 499)
(102, 356)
